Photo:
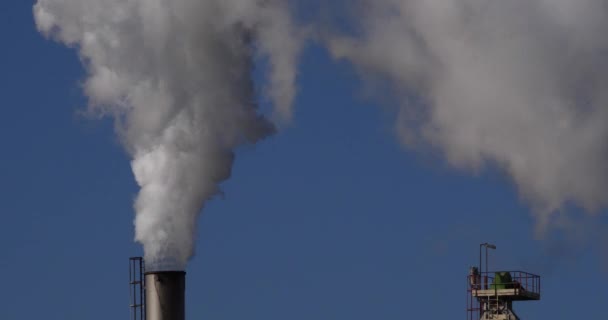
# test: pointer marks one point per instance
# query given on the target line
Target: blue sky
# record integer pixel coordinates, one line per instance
(330, 219)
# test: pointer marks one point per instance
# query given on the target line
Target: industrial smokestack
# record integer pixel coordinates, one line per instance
(165, 295)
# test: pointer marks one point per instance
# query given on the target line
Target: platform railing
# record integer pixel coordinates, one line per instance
(519, 280)
(525, 281)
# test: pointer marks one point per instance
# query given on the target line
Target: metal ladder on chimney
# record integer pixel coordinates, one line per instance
(136, 286)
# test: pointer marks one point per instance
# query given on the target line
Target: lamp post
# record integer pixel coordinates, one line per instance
(486, 245)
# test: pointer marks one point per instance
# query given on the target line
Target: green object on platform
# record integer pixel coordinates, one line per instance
(502, 280)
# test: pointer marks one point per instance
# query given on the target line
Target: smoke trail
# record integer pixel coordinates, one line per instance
(175, 75)
(520, 84)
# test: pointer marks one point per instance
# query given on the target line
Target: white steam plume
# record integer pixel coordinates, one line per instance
(176, 75)
(522, 84)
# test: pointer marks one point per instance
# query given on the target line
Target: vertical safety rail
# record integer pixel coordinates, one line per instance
(136, 286)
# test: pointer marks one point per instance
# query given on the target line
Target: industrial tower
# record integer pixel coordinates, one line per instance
(490, 295)
(156, 295)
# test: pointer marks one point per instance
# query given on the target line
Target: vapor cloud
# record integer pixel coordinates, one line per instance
(176, 76)
(519, 84)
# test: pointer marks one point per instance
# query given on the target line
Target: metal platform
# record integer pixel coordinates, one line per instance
(490, 295)
(510, 294)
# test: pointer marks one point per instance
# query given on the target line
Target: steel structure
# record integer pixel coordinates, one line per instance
(490, 295)
(136, 286)
(156, 295)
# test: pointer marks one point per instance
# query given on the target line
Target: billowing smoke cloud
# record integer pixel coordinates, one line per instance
(518, 84)
(176, 76)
